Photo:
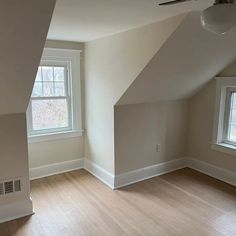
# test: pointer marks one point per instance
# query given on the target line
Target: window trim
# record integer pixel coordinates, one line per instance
(70, 59)
(224, 85)
(55, 136)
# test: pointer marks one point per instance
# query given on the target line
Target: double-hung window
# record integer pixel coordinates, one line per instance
(229, 132)
(224, 135)
(54, 107)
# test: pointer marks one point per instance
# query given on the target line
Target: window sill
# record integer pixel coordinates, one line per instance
(54, 136)
(226, 148)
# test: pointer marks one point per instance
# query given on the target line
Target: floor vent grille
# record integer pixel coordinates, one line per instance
(17, 185)
(1, 189)
(10, 186)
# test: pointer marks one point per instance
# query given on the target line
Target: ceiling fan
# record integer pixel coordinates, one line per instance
(219, 18)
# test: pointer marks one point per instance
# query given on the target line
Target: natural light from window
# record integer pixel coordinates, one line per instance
(49, 99)
(231, 132)
(54, 110)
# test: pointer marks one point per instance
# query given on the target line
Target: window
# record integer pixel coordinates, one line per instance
(224, 136)
(50, 101)
(54, 106)
(230, 117)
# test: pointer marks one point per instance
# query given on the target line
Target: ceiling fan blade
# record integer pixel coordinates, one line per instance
(172, 2)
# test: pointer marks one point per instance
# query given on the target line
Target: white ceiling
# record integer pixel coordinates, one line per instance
(86, 20)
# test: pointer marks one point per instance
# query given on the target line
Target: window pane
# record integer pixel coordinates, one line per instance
(49, 114)
(39, 75)
(47, 73)
(59, 73)
(233, 100)
(48, 89)
(232, 134)
(233, 116)
(232, 119)
(37, 90)
(59, 88)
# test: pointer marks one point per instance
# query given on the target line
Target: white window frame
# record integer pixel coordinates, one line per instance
(71, 60)
(224, 87)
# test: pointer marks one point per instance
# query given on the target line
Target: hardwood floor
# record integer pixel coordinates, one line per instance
(183, 202)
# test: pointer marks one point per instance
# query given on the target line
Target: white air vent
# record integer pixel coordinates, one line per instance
(10, 186)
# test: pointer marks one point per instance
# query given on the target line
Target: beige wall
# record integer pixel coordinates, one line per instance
(184, 64)
(50, 152)
(111, 65)
(23, 34)
(139, 128)
(230, 70)
(14, 153)
(201, 119)
(64, 45)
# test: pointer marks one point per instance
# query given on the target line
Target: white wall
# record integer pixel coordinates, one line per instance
(61, 150)
(14, 163)
(201, 119)
(229, 71)
(64, 45)
(23, 26)
(55, 151)
(111, 64)
(186, 62)
(139, 128)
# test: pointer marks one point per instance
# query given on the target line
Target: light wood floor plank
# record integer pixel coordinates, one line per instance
(181, 203)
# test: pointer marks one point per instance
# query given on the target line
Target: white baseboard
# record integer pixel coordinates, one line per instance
(135, 176)
(16, 210)
(96, 170)
(212, 170)
(163, 168)
(57, 168)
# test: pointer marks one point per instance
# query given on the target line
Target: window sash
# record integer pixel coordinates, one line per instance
(66, 79)
(67, 97)
(227, 116)
(50, 98)
(51, 130)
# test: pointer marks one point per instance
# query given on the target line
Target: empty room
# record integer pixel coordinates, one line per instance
(118, 118)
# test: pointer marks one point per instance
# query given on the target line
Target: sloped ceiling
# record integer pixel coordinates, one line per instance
(86, 20)
(23, 28)
(186, 62)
